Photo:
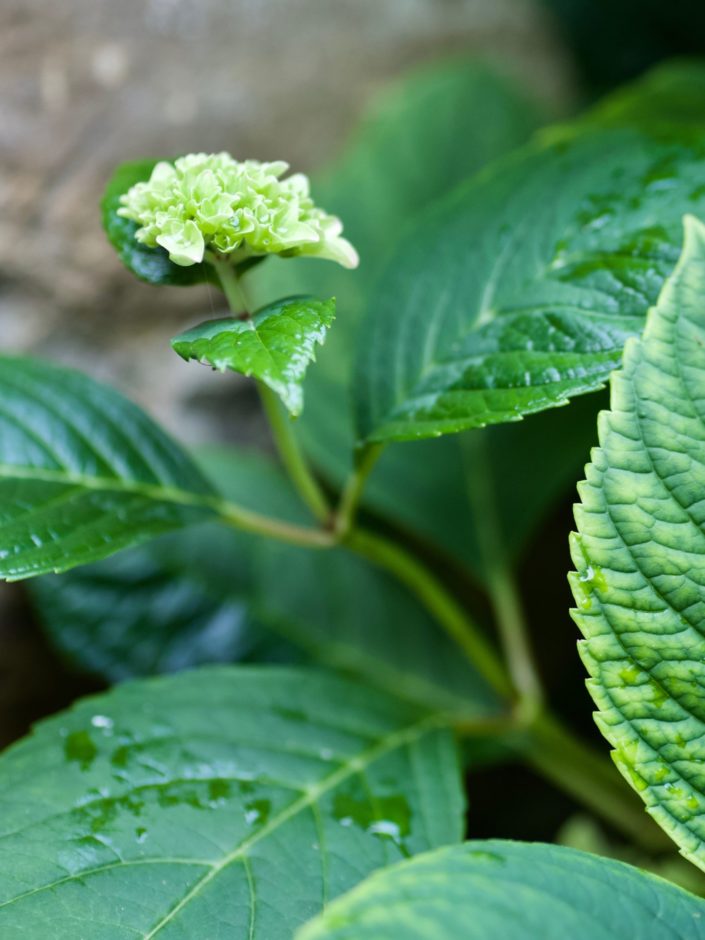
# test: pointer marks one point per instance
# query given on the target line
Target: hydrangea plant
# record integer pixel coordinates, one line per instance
(210, 210)
(316, 789)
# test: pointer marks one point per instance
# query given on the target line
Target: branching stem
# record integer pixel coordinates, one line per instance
(548, 746)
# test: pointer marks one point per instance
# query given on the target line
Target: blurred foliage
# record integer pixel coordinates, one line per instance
(615, 40)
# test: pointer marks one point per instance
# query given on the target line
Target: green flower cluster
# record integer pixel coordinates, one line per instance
(213, 203)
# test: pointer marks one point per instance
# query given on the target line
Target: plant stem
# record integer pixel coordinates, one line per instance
(586, 775)
(257, 524)
(280, 424)
(437, 601)
(292, 456)
(232, 288)
(499, 578)
(350, 498)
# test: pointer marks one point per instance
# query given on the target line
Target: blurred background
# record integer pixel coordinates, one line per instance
(87, 84)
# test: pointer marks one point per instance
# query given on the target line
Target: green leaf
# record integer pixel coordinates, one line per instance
(210, 594)
(83, 472)
(419, 140)
(512, 890)
(640, 558)
(221, 803)
(275, 345)
(502, 302)
(148, 264)
(180, 601)
(672, 93)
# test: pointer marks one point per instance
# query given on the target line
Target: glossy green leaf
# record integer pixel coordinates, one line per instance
(222, 803)
(179, 601)
(148, 264)
(275, 345)
(640, 558)
(83, 472)
(210, 594)
(512, 890)
(502, 302)
(433, 129)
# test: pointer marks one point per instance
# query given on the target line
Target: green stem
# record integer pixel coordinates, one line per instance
(499, 578)
(258, 524)
(292, 456)
(504, 598)
(232, 288)
(350, 498)
(280, 424)
(436, 600)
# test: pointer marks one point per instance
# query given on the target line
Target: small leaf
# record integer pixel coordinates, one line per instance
(512, 890)
(210, 594)
(222, 803)
(148, 264)
(83, 472)
(640, 558)
(275, 345)
(502, 302)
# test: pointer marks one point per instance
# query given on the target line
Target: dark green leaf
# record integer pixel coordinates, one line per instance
(504, 301)
(640, 558)
(512, 891)
(83, 472)
(148, 264)
(177, 602)
(275, 345)
(223, 803)
(212, 594)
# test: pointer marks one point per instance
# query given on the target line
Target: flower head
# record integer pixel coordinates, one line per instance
(211, 202)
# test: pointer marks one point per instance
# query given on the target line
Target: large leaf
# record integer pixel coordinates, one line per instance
(210, 594)
(148, 264)
(431, 131)
(83, 472)
(520, 290)
(222, 803)
(640, 558)
(512, 890)
(275, 345)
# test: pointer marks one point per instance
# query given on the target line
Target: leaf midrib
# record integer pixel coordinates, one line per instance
(150, 491)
